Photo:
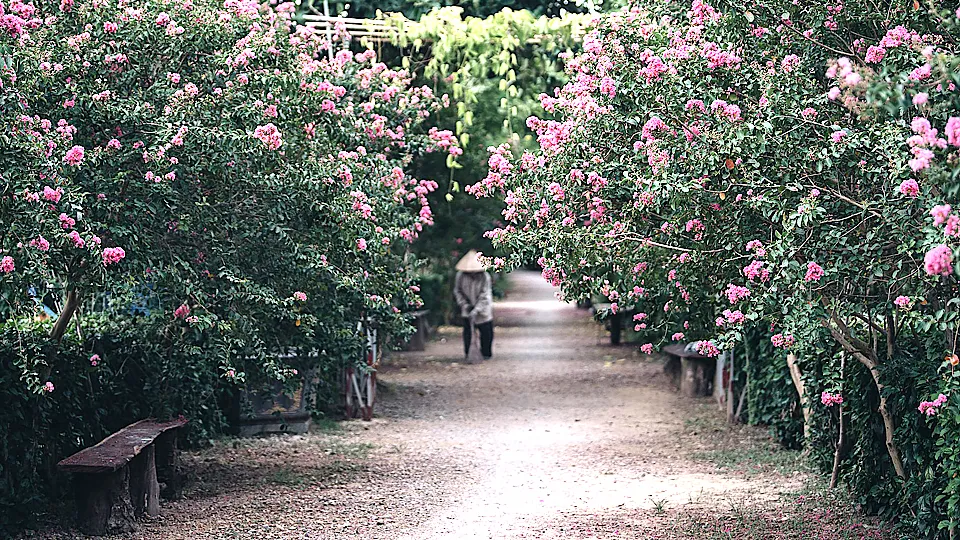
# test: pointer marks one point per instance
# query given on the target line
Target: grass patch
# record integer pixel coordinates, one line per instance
(815, 513)
(755, 460)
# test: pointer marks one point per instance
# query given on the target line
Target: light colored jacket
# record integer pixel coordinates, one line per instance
(474, 294)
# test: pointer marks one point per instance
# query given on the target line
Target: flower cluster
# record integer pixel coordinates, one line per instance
(830, 400)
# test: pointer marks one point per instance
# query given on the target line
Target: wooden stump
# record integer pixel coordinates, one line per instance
(696, 376)
(103, 504)
(169, 469)
(144, 488)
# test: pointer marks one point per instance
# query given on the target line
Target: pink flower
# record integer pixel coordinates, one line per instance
(113, 144)
(921, 99)
(94, 360)
(48, 386)
(40, 243)
(928, 408)
(910, 188)
(6, 265)
(110, 27)
(269, 135)
(181, 312)
(361, 244)
(902, 302)
(300, 296)
(677, 337)
(940, 213)
(833, 94)
(647, 348)
(783, 341)
(74, 156)
(66, 221)
(113, 255)
(952, 131)
(938, 261)
(74, 237)
(814, 272)
(707, 348)
(735, 293)
(52, 195)
(830, 400)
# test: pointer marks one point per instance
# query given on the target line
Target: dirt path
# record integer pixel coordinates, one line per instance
(557, 437)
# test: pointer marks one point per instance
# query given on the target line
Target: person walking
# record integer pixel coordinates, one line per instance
(473, 291)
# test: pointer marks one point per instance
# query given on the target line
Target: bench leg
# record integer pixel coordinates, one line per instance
(103, 505)
(616, 326)
(169, 471)
(695, 377)
(144, 488)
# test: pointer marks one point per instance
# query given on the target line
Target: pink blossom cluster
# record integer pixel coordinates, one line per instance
(52, 195)
(902, 302)
(814, 272)
(925, 138)
(755, 271)
(910, 188)
(182, 312)
(113, 255)
(19, 19)
(830, 400)
(707, 348)
(939, 261)
(731, 318)
(943, 217)
(894, 37)
(783, 341)
(40, 243)
(725, 110)
(74, 156)
(929, 408)
(78, 241)
(736, 293)
(269, 135)
(6, 265)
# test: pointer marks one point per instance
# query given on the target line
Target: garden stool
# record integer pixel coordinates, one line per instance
(694, 370)
(117, 480)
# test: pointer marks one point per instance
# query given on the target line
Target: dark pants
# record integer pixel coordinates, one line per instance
(486, 338)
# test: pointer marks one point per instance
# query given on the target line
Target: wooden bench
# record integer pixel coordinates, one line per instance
(691, 371)
(118, 479)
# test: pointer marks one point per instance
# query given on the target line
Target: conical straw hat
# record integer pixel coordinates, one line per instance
(471, 262)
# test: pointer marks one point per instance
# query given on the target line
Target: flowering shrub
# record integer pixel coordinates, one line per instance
(795, 164)
(201, 175)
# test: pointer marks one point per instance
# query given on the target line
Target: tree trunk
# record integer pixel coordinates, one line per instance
(840, 441)
(798, 382)
(867, 357)
(70, 305)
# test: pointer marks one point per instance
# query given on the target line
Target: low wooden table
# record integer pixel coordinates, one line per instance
(691, 371)
(118, 479)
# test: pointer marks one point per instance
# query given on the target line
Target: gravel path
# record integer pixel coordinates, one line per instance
(558, 436)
